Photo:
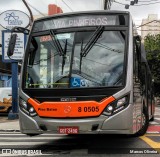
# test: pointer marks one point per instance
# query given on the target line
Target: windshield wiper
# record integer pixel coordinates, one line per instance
(59, 48)
(56, 43)
(84, 51)
(64, 56)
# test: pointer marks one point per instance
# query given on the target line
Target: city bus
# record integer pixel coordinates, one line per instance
(85, 73)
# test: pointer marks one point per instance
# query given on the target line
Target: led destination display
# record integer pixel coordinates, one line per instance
(79, 21)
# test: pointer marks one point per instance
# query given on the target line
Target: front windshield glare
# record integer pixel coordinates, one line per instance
(70, 60)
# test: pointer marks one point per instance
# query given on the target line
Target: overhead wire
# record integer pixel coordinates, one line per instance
(67, 5)
(148, 23)
(148, 30)
(139, 4)
(36, 9)
(146, 4)
(144, 1)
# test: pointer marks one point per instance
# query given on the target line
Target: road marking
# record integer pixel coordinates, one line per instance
(151, 143)
(29, 138)
(152, 134)
(18, 143)
(77, 152)
(154, 123)
(20, 134)
(153, 128)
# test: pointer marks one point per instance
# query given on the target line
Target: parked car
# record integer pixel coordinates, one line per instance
(5, 99)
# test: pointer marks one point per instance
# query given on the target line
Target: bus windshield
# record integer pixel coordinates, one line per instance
(76, 59)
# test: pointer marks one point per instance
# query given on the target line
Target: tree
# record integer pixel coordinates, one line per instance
(152, 47)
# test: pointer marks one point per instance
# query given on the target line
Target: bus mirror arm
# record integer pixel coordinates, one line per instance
(20, 30)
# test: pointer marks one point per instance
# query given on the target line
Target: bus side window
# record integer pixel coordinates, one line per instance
(137, 59)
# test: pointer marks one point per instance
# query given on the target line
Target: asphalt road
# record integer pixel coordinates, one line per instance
(81, 145)
(17, 144)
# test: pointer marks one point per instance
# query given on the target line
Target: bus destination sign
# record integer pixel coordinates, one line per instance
(78, 21)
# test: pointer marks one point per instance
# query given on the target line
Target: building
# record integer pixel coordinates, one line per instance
(151, 25)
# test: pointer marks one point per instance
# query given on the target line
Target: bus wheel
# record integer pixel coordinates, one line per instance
(145, 123)
(152, 119)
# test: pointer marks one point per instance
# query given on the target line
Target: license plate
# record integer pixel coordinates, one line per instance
(68, 130)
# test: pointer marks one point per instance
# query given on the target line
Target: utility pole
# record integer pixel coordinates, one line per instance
(14, 112)
(107, 4)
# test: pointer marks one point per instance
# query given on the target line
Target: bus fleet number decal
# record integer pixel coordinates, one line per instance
(88, 109)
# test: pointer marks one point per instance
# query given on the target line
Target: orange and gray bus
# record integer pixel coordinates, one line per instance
(85, 73)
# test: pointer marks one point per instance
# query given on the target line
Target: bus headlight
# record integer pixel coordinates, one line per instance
(27, 108)
(24, 104)
(116, 106)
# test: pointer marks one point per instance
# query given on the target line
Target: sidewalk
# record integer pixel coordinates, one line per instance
(9, 125)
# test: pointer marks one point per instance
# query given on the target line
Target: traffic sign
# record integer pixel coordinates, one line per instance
(19, 47)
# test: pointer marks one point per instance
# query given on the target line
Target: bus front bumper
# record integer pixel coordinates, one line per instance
(120, 123)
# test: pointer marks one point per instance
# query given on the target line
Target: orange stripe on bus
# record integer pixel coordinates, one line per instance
(70, 109)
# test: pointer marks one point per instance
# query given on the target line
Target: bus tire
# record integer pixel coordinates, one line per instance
(145, 124)
(152, 119)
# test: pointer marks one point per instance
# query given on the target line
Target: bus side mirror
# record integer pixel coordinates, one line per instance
(137, 41)
(32, 56)
(12, 43)
(32, 51)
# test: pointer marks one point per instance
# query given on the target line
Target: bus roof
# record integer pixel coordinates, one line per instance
(84, 12)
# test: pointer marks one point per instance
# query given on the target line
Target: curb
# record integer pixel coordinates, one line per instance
(9, 130)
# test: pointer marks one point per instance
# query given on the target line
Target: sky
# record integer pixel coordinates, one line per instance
(139, 11)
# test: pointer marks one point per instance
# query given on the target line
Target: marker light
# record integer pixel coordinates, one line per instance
(24, 104)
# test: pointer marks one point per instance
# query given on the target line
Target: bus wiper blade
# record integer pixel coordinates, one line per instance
(59, 48)
(56, 43)
(92, 41)
(81, 57)
(84, 51)
(64, 56)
